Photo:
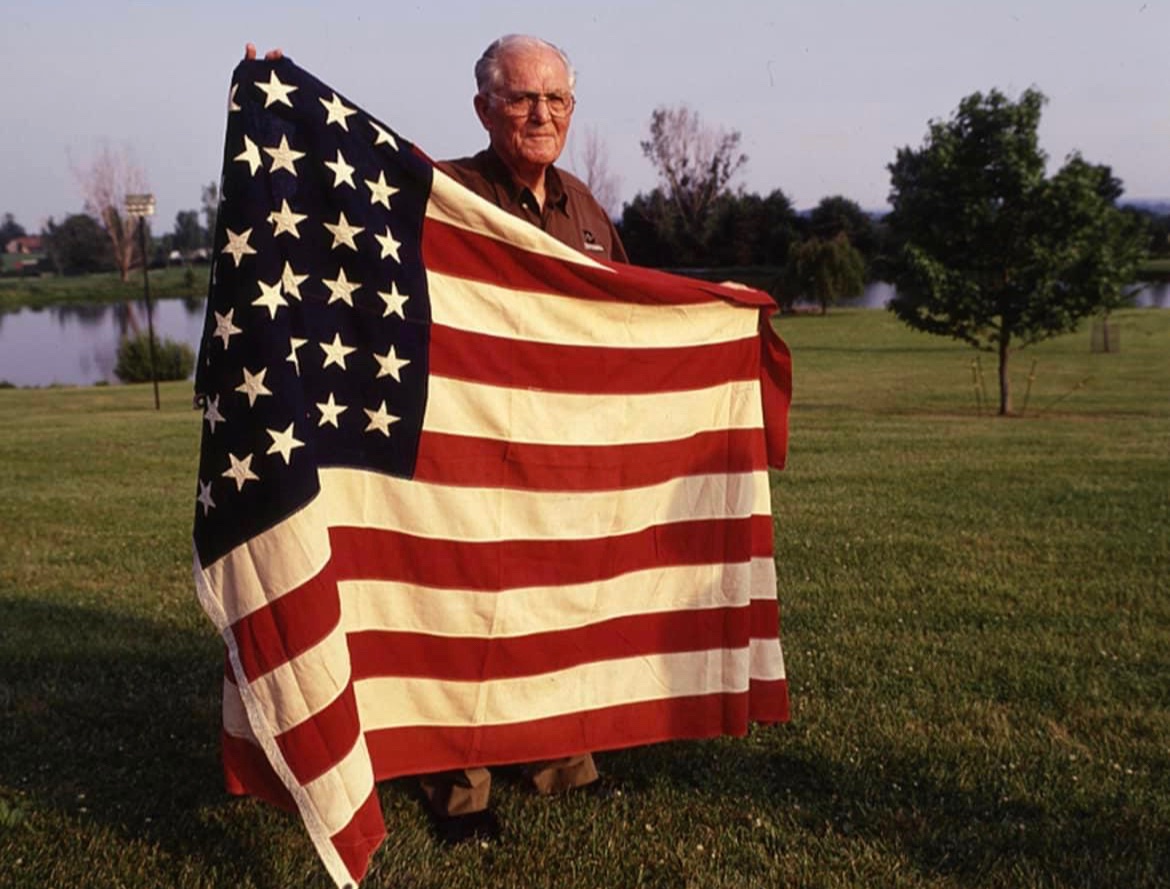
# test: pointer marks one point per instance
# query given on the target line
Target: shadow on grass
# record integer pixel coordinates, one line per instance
(977, 837)
(111, 723)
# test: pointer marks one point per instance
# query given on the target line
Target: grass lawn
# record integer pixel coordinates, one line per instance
(56, 290)
(976, 624)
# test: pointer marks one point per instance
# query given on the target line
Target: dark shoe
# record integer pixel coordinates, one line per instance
(454, 830)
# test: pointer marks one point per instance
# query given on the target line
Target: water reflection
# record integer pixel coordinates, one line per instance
(78, 345)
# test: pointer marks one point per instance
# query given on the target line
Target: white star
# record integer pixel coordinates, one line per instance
(250, 155)
(212, 414)
(232, 106)
(394, 301)
(337, 112)
(341, 289)
(390, 364)
(380, 191)
(286, 220)
(270, 297)
(240, 471)
(253, 385)
(383, 137)
(275, 91)
(224, 327)
(335, 352)
(389, 244)
(343, 232)
(294, 344)
(291, 281)
(205, 497)
(238, 245)
(380, 420)
(283, 157)
(330, 411)
(342, 172)
(283, 443)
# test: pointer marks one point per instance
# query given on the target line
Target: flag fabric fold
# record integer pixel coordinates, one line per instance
(466, 497)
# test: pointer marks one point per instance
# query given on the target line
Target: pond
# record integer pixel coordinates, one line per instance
(77, 345)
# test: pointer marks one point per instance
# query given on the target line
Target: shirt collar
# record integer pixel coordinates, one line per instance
(555, 196)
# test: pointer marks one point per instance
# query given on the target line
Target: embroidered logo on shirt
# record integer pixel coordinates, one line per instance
(591, 242)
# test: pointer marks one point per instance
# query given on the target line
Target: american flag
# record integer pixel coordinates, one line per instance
(465, 497)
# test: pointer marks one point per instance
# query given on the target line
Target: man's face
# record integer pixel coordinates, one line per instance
(532, 142)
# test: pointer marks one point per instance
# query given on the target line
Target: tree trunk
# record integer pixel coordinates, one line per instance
(1005, 386)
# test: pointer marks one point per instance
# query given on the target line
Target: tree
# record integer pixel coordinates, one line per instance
(993, 252)
(105, 182)
(78, 245)
(593, 167)
(210, 200)
(826, 271)
(695, 164)
(838, 214)
(10, 229)
(188, 234)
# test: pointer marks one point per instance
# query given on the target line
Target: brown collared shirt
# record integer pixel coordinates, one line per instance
(570, 213)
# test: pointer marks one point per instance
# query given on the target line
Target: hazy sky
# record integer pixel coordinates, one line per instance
(823, 91)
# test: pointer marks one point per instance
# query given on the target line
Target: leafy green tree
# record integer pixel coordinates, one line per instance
(188, 234)
(78, 245)
(10, 229)
(992, 251)
(825, 271)
(210, 202)
(747, 229)
(837, 215)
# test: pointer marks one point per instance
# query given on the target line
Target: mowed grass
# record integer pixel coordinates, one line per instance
(975, 619)
(105, 287)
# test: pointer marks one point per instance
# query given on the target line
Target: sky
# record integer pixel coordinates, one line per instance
(824, 93)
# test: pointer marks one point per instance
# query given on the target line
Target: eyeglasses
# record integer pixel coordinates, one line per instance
(522, 104)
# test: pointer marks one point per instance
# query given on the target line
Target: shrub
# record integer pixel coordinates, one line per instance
(173, 360)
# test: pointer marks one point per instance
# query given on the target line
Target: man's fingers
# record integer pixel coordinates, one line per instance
(272, 55)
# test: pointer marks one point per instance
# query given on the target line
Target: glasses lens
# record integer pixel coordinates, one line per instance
(522, 104)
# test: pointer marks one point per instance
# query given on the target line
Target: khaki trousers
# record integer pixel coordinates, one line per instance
(463, 791)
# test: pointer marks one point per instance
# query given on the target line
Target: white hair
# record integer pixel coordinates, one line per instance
(488, 74)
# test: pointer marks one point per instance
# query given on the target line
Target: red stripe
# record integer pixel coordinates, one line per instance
(323, 740)
(368, 553)
(419, 750)
(464, 254)
(246, 772)
(775, 391)
(592, 370)
(377, 653)
(768, 700)
(495, 463)
(356, 842)
(288, 626)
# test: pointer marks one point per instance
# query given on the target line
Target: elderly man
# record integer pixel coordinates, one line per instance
(525, 101)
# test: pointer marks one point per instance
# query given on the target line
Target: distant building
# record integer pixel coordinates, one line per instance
(25, 245)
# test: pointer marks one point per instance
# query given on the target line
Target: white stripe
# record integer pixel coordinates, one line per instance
(767, 659)
(342, 790)
(424, 509)
(394, 702)
(407, 608)
(235, 717)
(479, 307)
(535, 416)
(266, 566)
(455, 205)
(289, 694)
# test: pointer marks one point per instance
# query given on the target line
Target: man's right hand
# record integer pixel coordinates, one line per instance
(271, 56)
